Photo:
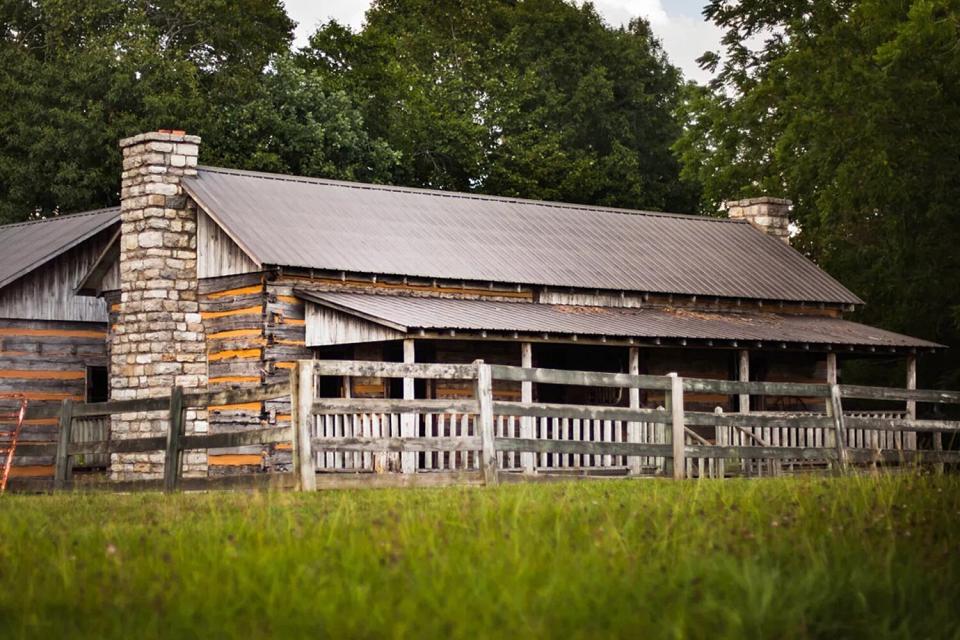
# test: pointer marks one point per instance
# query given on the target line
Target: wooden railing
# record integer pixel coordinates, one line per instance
(497, 439)
(173, 444)
(377, 442)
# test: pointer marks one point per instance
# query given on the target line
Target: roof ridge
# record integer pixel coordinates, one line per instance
(76, 214)
(462, 194)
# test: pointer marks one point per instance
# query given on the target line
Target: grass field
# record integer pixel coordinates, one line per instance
(787, 558)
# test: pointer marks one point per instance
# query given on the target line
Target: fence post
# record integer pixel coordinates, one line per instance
(63, 470)
(835, 409)
(677, 434)
(301, 422)
(172, 461)
(488, 454)
(633, 427)
(409, 422)
(527, 458)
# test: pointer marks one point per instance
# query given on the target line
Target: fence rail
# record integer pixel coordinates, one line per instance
(72, 445)
(418, 441)
(558, 438)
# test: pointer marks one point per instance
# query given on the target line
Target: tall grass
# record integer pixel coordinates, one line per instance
(785, 558)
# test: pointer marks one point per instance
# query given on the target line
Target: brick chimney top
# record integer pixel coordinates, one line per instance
(770, 215)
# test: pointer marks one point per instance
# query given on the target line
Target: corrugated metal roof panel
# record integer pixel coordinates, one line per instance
(342, 226)
(28, 245)
(480, 315)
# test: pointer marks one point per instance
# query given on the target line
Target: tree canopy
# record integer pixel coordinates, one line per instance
(852, 110)
(537, 99)
(77, 77)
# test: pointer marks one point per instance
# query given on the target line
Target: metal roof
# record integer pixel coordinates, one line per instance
(407, 313)
(27, 245)
(375, 229)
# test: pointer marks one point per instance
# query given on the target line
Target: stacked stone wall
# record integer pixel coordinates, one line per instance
(770, 215)
(157, 341)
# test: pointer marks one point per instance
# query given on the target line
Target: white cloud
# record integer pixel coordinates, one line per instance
(684, 37)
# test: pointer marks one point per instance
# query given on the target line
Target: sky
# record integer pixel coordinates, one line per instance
(678, 23)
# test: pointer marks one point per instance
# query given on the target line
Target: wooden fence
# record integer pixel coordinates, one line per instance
(72, 445)
(342, 442)
(429, 441)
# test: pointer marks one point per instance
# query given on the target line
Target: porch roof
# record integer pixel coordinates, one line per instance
(405, 315)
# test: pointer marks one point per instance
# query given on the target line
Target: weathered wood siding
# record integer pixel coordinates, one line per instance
(327, 326)
(217, 254)
(46, 361)
(47, 292)
(706, 303)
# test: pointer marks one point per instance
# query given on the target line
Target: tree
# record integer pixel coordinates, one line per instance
(77, 77)
(290, 123)
(531, 98)
(852, 110)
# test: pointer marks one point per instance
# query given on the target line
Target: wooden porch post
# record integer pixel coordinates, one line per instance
(408, 462)
(744, 376)
(633, 428)
(911, 436)
(830, 439)
(912, 413)
(743, 401)
(527, 458)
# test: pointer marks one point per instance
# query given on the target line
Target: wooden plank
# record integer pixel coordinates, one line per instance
(704, 419)
(395, 370)
(577, 378)
(677, 439)
(397, 480)
(484, 396)
(898, 424)
(737, 387)
(527, 460)
(237, 396)
(408, 419)
(112, 407)
(132, 445)
(62, 471)
(743, 375)
(889, 393)
(237, 438)
(336, 406)
(590, 412)
(755, 453)
(397, 445)
(302, 422)
(173, 460)
(910, 440)
(633, 427)
(582, 447)
(840, 429)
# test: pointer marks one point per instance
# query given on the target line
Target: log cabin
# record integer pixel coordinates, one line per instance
(213, 278)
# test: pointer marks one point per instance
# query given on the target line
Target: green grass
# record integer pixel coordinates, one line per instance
(789, 558)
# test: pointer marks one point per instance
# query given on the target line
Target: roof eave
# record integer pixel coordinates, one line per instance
(58, 252)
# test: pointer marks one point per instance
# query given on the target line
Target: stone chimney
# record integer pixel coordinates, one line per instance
(157, 341)
(770, 215)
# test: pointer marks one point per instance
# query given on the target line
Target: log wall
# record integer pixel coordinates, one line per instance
(255, 334)
(46, 361)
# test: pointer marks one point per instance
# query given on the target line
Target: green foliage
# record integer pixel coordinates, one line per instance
(77, 77)
(291, 124)
(537, 98)
(856, 557)
(852, 110)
